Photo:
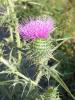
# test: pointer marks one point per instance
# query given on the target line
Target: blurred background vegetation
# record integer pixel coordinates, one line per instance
(63, 11)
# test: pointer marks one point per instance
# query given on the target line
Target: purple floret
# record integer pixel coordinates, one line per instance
(38, 28)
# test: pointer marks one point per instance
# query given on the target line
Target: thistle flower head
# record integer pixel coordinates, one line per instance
(36, 28)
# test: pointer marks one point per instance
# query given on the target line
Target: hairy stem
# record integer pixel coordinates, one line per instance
(38, 77)
(12, 11)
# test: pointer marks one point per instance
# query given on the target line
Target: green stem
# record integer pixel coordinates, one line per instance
(38, 77)
(12, 11)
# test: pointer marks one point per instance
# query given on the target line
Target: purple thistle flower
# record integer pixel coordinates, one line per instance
(37, 29)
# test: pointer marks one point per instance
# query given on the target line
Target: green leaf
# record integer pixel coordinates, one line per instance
(55, 75)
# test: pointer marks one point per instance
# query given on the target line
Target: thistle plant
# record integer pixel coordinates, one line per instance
(38, 32)
(39, 49)
(51, 94)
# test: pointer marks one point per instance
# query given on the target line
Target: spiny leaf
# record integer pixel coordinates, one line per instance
(56, 76)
